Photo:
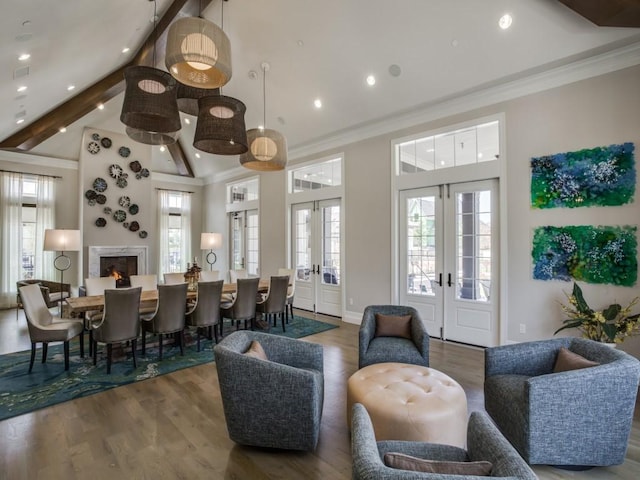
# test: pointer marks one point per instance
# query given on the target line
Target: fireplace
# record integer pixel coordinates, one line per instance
(117, 262)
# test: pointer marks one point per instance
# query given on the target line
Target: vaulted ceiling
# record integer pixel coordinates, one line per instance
(421, 52)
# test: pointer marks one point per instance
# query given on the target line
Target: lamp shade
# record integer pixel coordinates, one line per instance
(210, 241)
(267, 150)
(198, 53)
(220, 128)
(150, 108)
(188, 97)
(60, 240)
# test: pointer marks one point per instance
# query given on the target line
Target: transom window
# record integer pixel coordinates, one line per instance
(316, 176)
(243, 191)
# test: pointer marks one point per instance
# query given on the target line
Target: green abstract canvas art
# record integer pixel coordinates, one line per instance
(603, 254)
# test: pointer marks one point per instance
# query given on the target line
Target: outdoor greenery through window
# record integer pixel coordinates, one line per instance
(319, 175)
(479, 143)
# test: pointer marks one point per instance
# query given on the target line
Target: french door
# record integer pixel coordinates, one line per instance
(316, 236)
(449, 262)
(245, 249)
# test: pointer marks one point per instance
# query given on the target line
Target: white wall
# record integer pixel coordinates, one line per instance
(599, 111)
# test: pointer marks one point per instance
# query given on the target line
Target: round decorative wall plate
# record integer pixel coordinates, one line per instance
(126, 225)
(106, 142)
(92, 202)
(142, 234)
(145, 172)
(115, 170)
(107, 210)
(101, 222)
(135, 166)
(134, 227)
(134, 209)
(89, 194)
(120, 216)
(124, 152)
(95, 136)
(101, 199)
(100, 185)
(93, 147)
(122, 182)
(124, 201)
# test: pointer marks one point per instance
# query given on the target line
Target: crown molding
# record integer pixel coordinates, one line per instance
(226, 175)
(594, 66)
(37, 160)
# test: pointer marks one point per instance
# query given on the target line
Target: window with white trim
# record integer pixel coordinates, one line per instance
(316, 176)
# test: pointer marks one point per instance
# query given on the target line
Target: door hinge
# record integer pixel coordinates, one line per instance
(441, 333)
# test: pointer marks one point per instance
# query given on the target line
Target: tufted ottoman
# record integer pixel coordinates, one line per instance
(410, 402)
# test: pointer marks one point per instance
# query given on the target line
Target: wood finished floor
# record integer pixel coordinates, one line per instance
(173, 427)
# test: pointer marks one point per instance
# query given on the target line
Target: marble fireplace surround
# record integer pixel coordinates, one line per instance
(95, 252)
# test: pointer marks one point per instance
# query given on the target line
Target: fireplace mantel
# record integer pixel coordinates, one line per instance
(96, 252)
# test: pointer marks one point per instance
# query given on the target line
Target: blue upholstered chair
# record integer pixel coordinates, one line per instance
(571, 418)
(374, 349)
(484, 442)
(275, 403)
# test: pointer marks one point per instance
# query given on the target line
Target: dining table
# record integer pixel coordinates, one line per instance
(76, 306)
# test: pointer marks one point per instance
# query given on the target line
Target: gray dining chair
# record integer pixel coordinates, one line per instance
(45, 327)
(206, 311)
(173, 278)
(95, 286)
(243, 306)
(168, 317)
(120, 322)
(275, 302)
(291, 291)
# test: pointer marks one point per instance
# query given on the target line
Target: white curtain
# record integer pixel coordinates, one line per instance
(45, 218)
(10, 236)
(165, 209)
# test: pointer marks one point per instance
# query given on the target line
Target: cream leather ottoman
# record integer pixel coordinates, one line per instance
(410, 402)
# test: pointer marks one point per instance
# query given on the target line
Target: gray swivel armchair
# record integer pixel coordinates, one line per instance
(276, 301)
(380, 349)
(45, 328)
(206, 312)
(484, 442)
(120, 322)
(276, 403)
(169, 315)
(570, 418)
(243, 306)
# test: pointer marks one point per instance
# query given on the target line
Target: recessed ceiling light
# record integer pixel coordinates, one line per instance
(371, 80)
(505, 21)
(395, 70)
(480, 155)
(24, 56)
(162, 148)
(187, 121)
(317, 103)
(71, 87)
(441, 162)
(125, 49)
(261, 127)
(22, 88)
(197, 155)
(62, 129)
(101, 106)
(19, 121)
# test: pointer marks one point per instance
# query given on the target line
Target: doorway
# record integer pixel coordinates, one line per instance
(244, 226)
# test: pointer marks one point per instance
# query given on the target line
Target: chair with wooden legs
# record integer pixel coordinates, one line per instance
(45, 327)
(168, 317)
(96, 286)
(243, 306)
(205, 314)
(120, 322)
(275, 302)
(291, 290)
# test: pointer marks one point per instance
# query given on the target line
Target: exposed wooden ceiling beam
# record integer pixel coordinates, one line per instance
(180, 159)
(104, 90)
(608, 13)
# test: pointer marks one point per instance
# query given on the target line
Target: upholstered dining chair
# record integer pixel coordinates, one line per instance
(168, 317)
(147, 282)
(234, 275)
(120, 322)
(96, 286)
(291, 290)
(392, 333)
(243, 306)
(45, 328)
(275, 303)
(173, 278)
(209, 275)
(205, 314)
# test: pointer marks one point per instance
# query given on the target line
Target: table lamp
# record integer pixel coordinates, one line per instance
(60, 240)
(209, 241)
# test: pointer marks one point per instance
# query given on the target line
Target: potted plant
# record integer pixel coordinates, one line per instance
(611, 325)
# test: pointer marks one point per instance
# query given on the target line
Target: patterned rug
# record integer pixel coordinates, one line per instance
(49, 384)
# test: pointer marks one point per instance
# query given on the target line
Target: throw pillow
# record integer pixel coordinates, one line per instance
(255, 350)
(568, 360)
(393, 326)
(407, 462)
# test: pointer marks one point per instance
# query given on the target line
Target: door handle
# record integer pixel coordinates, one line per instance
(440, 280)
(318, 271)
(449, 280)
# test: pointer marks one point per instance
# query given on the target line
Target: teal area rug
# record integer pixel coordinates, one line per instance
(49, 384)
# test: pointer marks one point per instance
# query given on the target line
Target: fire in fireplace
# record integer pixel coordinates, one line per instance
(120, 267)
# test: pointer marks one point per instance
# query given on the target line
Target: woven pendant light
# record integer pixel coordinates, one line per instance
(198, 53)
(188, 97)
(220, 128)
(150, 109)
(267, 148)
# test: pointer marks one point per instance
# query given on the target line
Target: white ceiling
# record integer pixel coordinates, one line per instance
(316, 50)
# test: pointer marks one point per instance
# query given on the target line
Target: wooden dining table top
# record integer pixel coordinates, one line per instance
(77, 305)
